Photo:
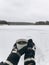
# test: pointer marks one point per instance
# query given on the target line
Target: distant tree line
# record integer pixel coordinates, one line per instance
(42, 23)
(2, 22)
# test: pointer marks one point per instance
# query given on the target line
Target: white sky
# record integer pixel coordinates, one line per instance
(24, 10)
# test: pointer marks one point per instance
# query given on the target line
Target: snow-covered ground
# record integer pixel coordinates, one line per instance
(39, 34)
(21, 11)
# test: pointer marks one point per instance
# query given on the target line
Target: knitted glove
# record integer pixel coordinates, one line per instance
(29, 58)
(18, 49)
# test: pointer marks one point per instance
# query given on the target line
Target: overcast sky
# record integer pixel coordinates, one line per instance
(24, 10)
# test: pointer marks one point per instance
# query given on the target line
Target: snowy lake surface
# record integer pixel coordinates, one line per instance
(38, 33)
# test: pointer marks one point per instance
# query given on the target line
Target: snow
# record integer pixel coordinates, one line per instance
(21, 11)
(39, 34)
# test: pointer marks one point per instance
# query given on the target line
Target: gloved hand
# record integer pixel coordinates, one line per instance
(18, 49)
(29, 58)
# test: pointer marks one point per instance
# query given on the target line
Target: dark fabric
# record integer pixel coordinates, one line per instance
(22, 51)
(14, 47)
(31, 62)
(30, 53)
(13, 58)
(3, 63)
(30, 43)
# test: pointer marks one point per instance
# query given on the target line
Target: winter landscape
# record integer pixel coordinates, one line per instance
(39, 34)
(25, 11)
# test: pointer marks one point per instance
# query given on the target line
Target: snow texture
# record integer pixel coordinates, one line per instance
(39, 34)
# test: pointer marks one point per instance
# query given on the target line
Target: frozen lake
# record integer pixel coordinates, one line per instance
(39, 34)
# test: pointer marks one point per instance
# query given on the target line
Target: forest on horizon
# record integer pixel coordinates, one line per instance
(2, 22)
